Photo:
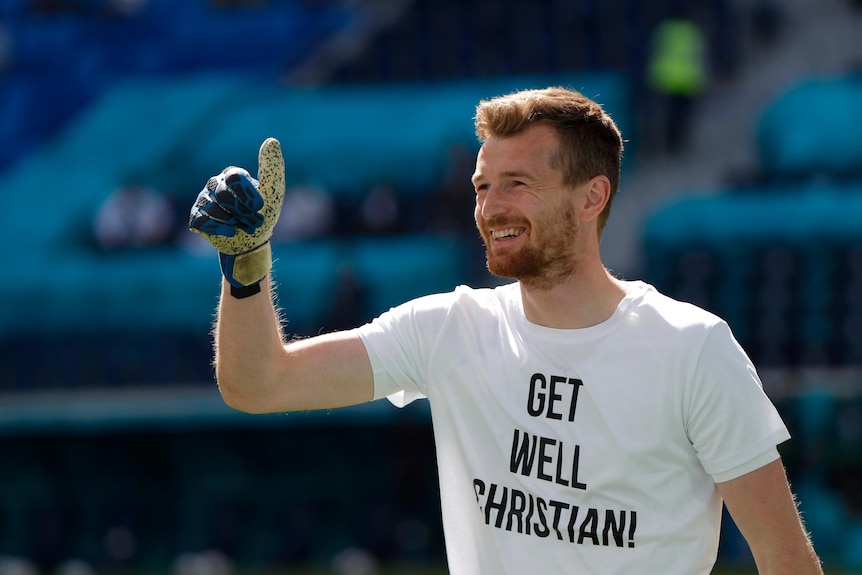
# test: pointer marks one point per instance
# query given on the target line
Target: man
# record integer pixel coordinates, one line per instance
(583, 424)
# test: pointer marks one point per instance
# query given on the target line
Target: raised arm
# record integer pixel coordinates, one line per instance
(762, 506)
(256, 371)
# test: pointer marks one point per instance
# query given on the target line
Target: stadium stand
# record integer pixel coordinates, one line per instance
(68, 56)
(777, 257)
(262, 495)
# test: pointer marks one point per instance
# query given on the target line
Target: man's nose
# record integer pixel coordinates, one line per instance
(492, 203)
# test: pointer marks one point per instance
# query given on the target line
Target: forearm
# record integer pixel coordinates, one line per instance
(248, 343)
(794, 556)
(764, 509)
(804, 564)
(787, 567)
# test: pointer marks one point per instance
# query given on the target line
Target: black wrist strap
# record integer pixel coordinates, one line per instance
(245, 291)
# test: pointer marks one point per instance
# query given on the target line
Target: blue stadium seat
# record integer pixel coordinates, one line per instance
(398, 269)
(803, 133)
(779, 255)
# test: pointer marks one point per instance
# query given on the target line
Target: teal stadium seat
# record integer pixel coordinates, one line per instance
(778, 257)
(394, 271)
(806, 131)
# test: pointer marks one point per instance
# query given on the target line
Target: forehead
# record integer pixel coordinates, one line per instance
(530, 150)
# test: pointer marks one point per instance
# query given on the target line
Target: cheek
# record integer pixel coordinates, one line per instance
(560, 222)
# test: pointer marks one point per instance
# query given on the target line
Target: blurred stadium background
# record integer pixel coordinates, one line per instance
(116, 452)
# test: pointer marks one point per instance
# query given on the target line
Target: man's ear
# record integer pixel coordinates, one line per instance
(597, 193)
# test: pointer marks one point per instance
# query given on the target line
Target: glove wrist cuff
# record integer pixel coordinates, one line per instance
(244, 270)
(245, 291)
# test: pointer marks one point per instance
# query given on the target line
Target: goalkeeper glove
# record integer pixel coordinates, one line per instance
(237, 213)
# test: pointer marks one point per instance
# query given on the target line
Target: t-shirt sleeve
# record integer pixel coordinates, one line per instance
(397, 343)
(732, 424)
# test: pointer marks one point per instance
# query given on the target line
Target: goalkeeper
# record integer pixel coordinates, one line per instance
(583, 424)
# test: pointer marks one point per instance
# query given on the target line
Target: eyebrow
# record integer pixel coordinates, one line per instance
(514, 174)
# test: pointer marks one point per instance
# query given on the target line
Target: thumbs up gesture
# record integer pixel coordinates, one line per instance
(237, 213)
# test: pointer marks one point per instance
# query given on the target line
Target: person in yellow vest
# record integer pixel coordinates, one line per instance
(677, 74)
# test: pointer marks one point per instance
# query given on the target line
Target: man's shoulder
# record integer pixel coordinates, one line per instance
(676, 313)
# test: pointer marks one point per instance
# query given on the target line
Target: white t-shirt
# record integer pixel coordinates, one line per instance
(589, 451)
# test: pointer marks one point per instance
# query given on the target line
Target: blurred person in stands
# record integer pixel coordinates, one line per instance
(127, 8)
(380, 210)
(677, 75)
(53, 6)
(349, 301)
(767, 22)
(7, 50)
(239, 3)
(583, 423)
(449, 205)
(308, 212)
(134, 215)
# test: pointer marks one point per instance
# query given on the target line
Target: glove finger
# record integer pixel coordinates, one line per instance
(218, 213)
(232, 198)
(208, 217)
(237, 193)
(244, 188)
(228, 201)
(203, 224)
(212, 183)
(211, 207)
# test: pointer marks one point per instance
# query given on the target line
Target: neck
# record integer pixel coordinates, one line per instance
(586, 298)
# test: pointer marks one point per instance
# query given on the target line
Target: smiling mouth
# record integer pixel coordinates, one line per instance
(506, 233)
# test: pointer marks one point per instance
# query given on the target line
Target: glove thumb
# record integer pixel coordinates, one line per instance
(271, 181)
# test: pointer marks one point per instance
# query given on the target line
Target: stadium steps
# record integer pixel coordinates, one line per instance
(815, 41)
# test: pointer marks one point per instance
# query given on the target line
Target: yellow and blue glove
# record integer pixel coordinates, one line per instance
(236, 213)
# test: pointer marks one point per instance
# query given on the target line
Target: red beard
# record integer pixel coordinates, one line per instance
(542, 259)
